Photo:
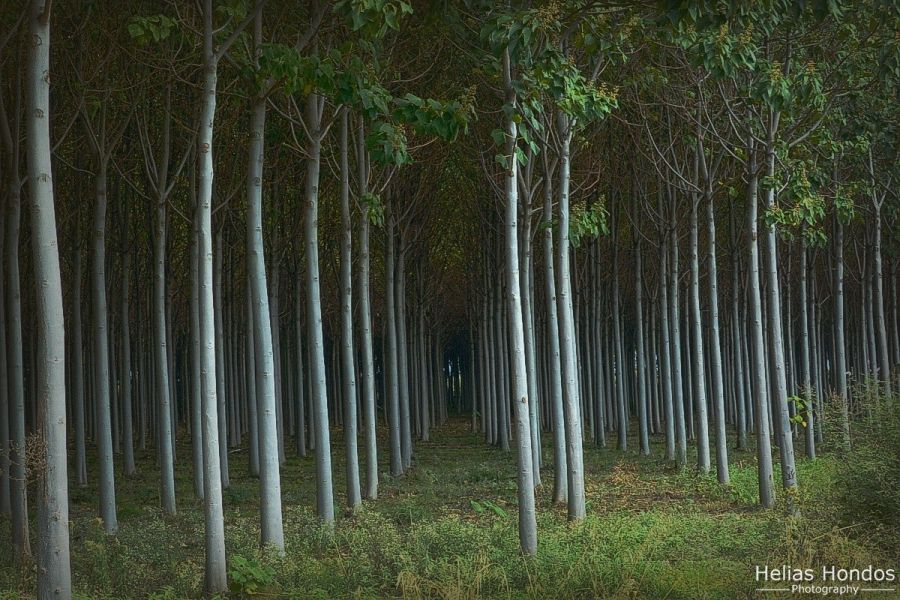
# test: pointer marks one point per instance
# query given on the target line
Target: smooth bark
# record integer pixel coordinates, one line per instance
(54, 579)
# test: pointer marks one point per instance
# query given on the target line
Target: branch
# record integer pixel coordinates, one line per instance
(44, 17)
(223, 48)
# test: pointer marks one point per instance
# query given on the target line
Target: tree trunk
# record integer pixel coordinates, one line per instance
(161, 364)
(125, 366)
(741, 390)
(806, 378)
(501, 355)
(250, 370)
(391, 369)
(621, 411)
(715, 359)
(530, 360)
(641, 355)
(196, 423)
(895, 325)
(676, 364)
(699, 366)
(403, 354)
(271, 529)
(347, 352)
(365, 315)
(99, 317)
(216, 579)
(5, 506)
(324, 487)
(54, 578)
(300, 399)
(840, 356)
(78, 375)
(574, 457)
(527, 519)
(665, 349)
(760, 391)
(884, 361)
(786, 442)
(222, 409)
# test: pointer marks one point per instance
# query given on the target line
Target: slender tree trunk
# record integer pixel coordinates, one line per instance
(599, 357)
(161, 364)
(216, 579)
(641, 355)
(676, 364)
(742, 391)
(884, 361)
(574, 457)
(666, 349)
(114, 379)
(760, 391)
(275, 327)
(715, 359)
(472, 376)
(271, 529)
(621, 411)
(54, 579)
(403, 356)
(347, 352)
(170, 357)
(426, 391)
(530, 360)
(300, 399)
(365, 316)
(392, 372)
(502, 357)
(786, 442)
(806, 379)
(527, 519)
(222, 409)
(5, 506)
(655, 375)
(234, 372)
(815, 357)
(840, 356)
(895, 325)
(196, 423)
(78, 375)
(250, 370)
(125, 368)
(99, 318)
(324, 487)
(699, 360)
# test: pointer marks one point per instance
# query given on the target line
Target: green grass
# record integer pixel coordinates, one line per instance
(651, 532)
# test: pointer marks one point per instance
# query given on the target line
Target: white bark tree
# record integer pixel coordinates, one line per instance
(54, 573)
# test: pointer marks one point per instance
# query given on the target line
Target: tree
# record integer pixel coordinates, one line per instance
(271, 530)
(54, 573)
(527, 522)
(216, 577)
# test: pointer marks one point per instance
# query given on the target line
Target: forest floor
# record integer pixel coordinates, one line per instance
(448, 529)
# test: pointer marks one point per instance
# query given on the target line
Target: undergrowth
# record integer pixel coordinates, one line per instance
(448, 530)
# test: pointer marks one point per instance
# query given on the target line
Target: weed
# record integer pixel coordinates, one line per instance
(250, 577)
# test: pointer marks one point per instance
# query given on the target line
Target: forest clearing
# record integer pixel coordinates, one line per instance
(449, 299)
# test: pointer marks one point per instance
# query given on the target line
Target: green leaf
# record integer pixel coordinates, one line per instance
(497, 510)
(520, 157)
